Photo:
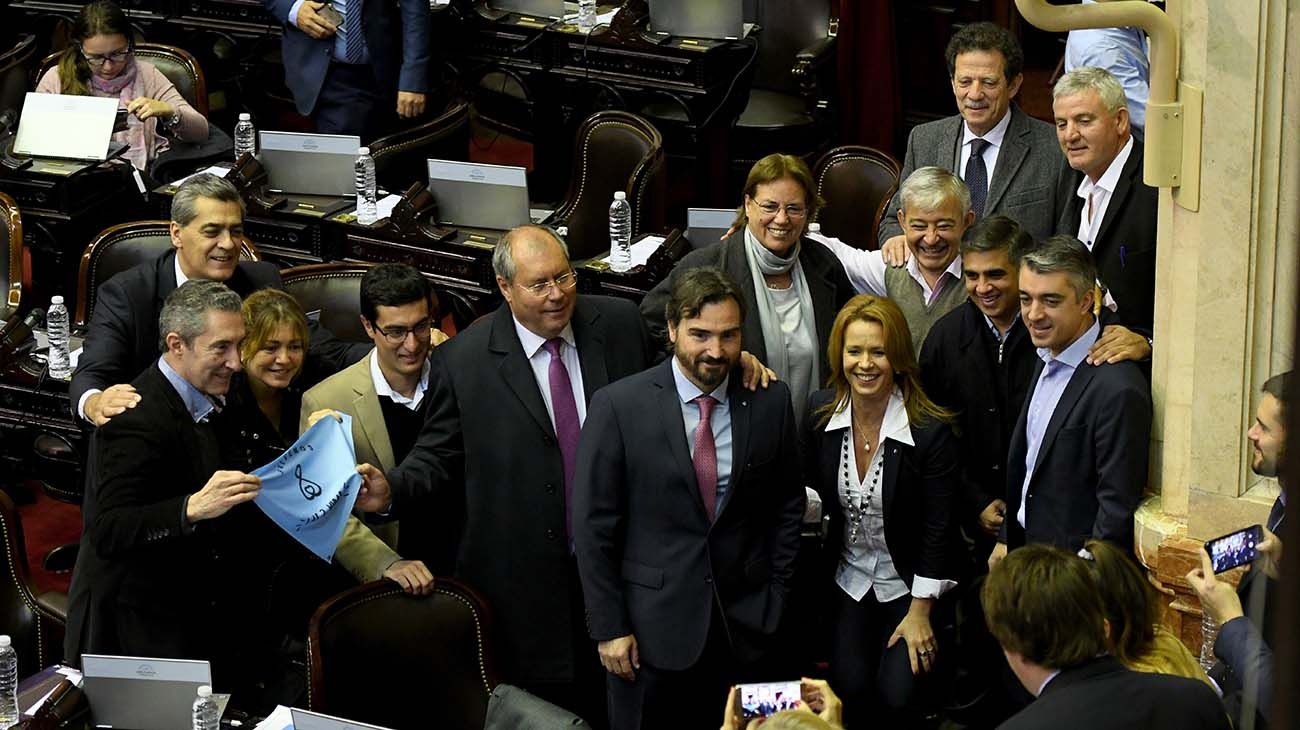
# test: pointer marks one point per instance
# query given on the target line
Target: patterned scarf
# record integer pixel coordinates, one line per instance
(124, 87)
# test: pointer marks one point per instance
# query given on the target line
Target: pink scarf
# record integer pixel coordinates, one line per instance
(124, 87)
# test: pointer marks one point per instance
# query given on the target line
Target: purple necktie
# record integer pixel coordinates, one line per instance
(566, 423)
(706, 454)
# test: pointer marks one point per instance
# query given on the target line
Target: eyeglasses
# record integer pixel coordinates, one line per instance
(542, 289)
(97, 60)
(792, 211)
(396, 334)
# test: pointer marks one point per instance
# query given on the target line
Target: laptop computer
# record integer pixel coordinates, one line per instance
(310, 164)
(475, 195)
(67, 126)
(705, 226)
(717, 19)
(140, 693)
(305, 720)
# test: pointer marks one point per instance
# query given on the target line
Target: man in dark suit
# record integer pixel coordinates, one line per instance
(350, 63)
(1042, 605)
(507, 397)
(686, 513)
(1008, 160)
(154, 566)
(1105, 204)
(122, 336)
(1078, 458)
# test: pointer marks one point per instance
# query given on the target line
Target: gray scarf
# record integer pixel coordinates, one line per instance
(764, 262)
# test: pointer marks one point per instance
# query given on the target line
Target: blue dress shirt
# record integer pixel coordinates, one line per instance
(197, 402)
(720, 421)
(1121, 51)
(340, 53)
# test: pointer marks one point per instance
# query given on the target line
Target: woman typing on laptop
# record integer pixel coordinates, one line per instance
(100, 62)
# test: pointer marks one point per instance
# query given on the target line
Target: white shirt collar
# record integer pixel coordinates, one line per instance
(688, 391)
(532, 342)
(1046, 681)
(994, 136)
(914, 269)
(383, 389)
(181, 278)
(1109, 179)
(895, 426)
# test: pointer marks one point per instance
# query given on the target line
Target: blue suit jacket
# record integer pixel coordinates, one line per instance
(404, 67)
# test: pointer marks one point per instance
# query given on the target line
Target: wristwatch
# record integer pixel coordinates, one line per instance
(173, 120)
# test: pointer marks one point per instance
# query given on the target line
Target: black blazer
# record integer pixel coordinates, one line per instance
(963, 371)
(919, 486)
(1125, 249)
(828, 286)
(1103, 695)
(487, 458)
(652, 563)
(1092, 464)
(122, 335)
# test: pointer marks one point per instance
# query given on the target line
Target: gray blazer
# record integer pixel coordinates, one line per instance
(1024, 179)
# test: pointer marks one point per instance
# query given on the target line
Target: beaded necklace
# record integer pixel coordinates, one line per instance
(856, 513)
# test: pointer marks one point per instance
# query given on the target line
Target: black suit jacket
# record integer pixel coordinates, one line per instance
(919, 486)
(828, 286)
(488, 458)
(122, 335)
(1103, 695)
(1125, 248)
(651, 561)
(1092, 463)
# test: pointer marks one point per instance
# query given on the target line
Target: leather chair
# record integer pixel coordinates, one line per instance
(15, 68)
(120, 247)
(11, 257)
(177, 64)
(400, 157)
(614, 150)
(857, 184)
(34, 621)
(335, 291)
(381, 656)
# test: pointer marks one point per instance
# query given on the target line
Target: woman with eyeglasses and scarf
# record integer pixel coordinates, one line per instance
(100, 62)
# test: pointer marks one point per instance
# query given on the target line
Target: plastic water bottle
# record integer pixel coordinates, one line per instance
(620, 233)
(586, 15)
(1209, 634)
(245, 136)
(56, 328)
(206, 714)
(367, 209)
(8, 684)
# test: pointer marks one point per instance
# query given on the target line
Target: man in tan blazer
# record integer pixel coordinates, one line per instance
(384, 394)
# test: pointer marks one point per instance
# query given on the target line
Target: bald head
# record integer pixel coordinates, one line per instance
(534, 275)
(532, 237)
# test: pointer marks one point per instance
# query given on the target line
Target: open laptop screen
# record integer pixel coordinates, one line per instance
(66, 126)
(310, 164)
(479, 196)
(142, 693)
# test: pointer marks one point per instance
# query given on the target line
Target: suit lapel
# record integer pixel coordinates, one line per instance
(590, 338)
(893, 459)
(515, 369)
(1115, 208)
(951, 141)
(1010, 158)
(669, 407)
(1069, 398)
(738, 400)
(370, 416)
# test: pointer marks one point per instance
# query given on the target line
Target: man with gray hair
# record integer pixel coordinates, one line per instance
(1107, 206)
(154, 576)
(935, 212)
(207, 225)
(1078, 455)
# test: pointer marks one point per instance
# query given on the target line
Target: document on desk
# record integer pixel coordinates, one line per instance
(643, 249)
(309, 491)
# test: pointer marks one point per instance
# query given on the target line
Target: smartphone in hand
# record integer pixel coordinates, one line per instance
(768, 698)
(1235, 548)
(331, 15)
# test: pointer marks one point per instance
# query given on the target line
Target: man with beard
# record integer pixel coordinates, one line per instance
(686, 510)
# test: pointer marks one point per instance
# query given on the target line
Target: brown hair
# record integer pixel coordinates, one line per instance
(264, 312)
(1127, 599)
(699, 287)
(102, 17)
(1041, 602)
(898, 348)
(779, 167)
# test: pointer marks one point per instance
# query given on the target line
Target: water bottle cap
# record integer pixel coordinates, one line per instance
(56, 299)
(363, 150)
(620, 195)
(5, 641)
(245, 117)
(205, 690)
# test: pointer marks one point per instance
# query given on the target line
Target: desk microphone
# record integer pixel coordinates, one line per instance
(7, 120)
(17, 333)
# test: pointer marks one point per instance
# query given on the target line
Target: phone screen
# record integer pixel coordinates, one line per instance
(1234, 549)
(768, 698)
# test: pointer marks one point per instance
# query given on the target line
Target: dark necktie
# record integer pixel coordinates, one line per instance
(977, 176)
(566, 423)
(353, 34)
(706, 455)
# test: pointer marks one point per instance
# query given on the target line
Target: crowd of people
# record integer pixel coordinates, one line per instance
(628, 488)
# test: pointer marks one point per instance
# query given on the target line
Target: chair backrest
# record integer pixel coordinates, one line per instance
(400, 158)
(615, 150)
(11, 256)
(177, 64)
(857, 184)
(15, 68)
(120, 247)
(20, 616)
(433, 653)
(788, 26)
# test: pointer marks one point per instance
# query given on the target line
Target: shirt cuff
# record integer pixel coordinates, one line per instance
(923, 587)
(81, 404)
(293, 13)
